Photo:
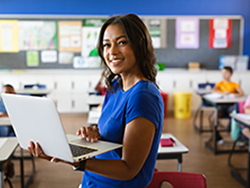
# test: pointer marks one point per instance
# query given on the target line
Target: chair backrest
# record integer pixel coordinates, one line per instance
(241, 107)
(178, 179)
(204, 85)
(40, 86)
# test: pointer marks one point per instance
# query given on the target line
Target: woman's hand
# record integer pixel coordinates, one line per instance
(90, 133)
(36, 150)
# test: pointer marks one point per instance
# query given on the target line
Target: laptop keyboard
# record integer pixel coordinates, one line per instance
(80, 150)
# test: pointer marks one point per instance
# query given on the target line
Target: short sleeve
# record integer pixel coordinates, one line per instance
(2, 107)
(145, 104)
(218, 84)
(247, 103)
(236, 85)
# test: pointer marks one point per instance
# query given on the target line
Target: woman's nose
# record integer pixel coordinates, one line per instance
(114, 49)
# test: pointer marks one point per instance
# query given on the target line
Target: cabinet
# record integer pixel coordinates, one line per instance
(69, 87)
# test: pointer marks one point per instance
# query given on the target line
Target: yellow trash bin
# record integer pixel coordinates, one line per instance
(182, 105)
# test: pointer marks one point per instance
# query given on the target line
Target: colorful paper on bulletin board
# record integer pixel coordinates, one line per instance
(9, 36)
(32, 58)
(70, 36)
(49, 56)
(220, 33)
(90, 33)
(37, 35)
(187, 33)
(155, 32)
(66, 57)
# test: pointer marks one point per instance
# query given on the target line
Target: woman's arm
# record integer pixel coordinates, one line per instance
(137, 141)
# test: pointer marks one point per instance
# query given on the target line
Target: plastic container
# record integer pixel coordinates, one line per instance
(182, 105)
(165, 101)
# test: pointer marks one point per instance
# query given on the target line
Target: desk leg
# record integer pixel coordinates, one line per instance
(21, 168)
(248, 169)
(179, 163)
(1, 175)
(195, 118)
(215, 129)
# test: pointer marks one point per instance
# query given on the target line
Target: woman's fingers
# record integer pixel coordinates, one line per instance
(96, 133)
(31, 148)
(78, 132)
(90, 133)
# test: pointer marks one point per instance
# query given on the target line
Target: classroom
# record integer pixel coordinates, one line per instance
(148, 93)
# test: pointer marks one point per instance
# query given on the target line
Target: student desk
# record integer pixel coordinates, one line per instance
(216, 103)
(172, 152)
(94, 100)
(235, 174)
(7, 147)
(5, 121)
(34, 92)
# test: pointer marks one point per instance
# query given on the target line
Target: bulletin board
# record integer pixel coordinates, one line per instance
(167, 53)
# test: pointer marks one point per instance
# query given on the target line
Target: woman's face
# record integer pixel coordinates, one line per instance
(117, 52)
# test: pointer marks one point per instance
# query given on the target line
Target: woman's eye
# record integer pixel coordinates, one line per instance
(105, 45)
(122, 42)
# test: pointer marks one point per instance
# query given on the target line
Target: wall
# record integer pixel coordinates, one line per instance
(141, 7)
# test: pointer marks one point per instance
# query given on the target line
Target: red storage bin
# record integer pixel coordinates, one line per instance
(165, 101)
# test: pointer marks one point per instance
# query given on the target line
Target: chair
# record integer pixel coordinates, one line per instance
(178, 180)
(30, 86)
(199, 111)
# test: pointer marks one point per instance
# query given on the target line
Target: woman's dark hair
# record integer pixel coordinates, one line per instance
(229, 69)
(140, 41)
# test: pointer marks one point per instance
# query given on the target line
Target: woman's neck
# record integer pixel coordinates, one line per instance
(129, 80)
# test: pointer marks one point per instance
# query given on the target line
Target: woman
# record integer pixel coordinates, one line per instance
(132, 112)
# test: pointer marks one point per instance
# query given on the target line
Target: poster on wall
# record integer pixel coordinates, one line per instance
(187, 33)
(157, 28)
(69, 34)
(37, 35)
(32, 58)
(66, 57)
(155, 32)
(9, 36)
(49, 56)
(90, 32)
(220, 33)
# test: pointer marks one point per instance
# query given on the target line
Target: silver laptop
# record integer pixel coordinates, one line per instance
(36, 119)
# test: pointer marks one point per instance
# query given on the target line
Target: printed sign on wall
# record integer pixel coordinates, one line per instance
(8, 36)
(37, 35)
(69, 33)
(187, 33)
(220, 33)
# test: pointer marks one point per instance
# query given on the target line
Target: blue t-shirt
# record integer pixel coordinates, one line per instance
(142, 100)
(2, 107)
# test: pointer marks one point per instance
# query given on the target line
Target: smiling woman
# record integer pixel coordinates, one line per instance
(132, 112)
(132, 39)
